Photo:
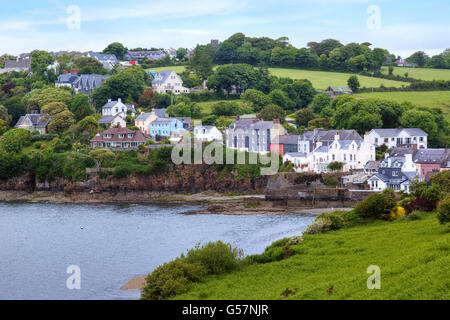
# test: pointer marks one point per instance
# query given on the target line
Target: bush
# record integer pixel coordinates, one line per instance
(318, 226)
(443, 210)
(170, 279)
(121, 172)
(442, 179)
(415, 215)
(420, 204)
(215, 257)
(397, 212)
(331, 181)
(335, 220)
(177, 276)
(44, 137)
(277, 251)
(377, 206)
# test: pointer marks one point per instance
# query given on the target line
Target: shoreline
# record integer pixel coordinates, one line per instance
(211, 202)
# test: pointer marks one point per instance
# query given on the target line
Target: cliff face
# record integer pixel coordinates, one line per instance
(183, 179)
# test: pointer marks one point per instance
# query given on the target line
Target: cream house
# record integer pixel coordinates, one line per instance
(354, 154)
(168, 81)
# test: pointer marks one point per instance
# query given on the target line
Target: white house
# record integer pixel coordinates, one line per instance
(395, 172)
(300, 160)
(113, 108)
(353, 154)
(113, 121)
(207, 133)
(168, 81)
(399, 137)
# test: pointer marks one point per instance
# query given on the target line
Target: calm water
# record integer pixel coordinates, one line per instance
(39, 241)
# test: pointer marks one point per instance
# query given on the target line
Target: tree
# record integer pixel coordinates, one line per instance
(335, 166)
(148, 99)
(15, 140)
(272, 112)
(102, 156)
(88, 124)
(391, 70)
(443, 210)
(81, 107)
(40, 60)
(224, 108)
(201, 63)
(256, 98)
(88, 65)
(39, 98)
(16, 108)
(304, 116)
(2, 126)
(61, 122)
(181, 54)
(129, 83)
(353, 83)
(4, 115)
(320, 102)
(301, 92)
(280, 98)
(117, 49)
(191, 80)
(420, 58)
(54, 108)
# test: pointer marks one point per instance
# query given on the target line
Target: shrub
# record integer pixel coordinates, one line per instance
(350, 217)
(121, 172)
(420, 204)
(377, 206)
(277, 251)
(443, 180)
(397, 212)
(215, 257)
(170, 279)
(335, 220)
(415, 215)
(318, 226)
(443, 210)
(44, 137)
(331, 181)
(433, 193)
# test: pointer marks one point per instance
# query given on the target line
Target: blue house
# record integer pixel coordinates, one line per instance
(164, 127)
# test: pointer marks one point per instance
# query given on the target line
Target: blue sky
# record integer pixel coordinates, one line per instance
(404, 26)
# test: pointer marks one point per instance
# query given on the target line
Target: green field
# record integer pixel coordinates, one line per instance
(413, 257)
(323, 79)
(440, 99)
(177, 69)
(206, 107)
(421, 73)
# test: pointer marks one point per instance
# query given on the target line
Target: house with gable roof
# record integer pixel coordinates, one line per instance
(207, 133)
(399, 137)
(119, 138)
(107, 60)
(33, 122)
(86, 83)
(144, 119)
(168, 81)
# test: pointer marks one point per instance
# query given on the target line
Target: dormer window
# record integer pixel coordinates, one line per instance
(130, 135)
(121, 136)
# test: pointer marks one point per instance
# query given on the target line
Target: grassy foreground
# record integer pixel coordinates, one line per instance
(439, 99)
(413, 257)
(420, 73)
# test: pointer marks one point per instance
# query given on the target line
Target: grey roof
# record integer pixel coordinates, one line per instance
(67, 78)
(395, 132)
(287, 139)
(342, 90)
(438, 156)
(345, 144)
(164, 120)
(380, 176)
(38, 120)
(328, 135)
(160, 113)
(143, 116)
(88, 82)
(322, 149)
(161, 76)
(372, 165)
(402, 151)
(14, 64)
(102, 56)
(112, 104)
(296, 154)
(107, 119)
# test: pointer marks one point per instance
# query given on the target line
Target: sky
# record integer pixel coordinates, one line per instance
(401, 26)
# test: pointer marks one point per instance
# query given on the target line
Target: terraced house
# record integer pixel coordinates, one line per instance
(253, 135)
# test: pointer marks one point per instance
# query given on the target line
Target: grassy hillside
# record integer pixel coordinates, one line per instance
(413, 257)
(323, 79)
(319, 79)
(440, 99)
(421, 73)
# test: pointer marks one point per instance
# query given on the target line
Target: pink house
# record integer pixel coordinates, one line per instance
(431, 160)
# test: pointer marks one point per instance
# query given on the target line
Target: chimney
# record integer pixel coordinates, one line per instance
(65, 71)
(276, 121)
(336, 137)
(120, 100)
(238, 117)
(73, 71)
(109, 100)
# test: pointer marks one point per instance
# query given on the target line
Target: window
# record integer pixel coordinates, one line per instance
(421, 139)
(386, 140)
(121, 136)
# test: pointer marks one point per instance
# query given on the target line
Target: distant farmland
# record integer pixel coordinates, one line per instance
(420, 73)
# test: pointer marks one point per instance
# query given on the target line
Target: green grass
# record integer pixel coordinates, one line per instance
(206, 107)
(413, 257)
(177, 69)
(439, 99)
(421, 73)
(324, 79)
